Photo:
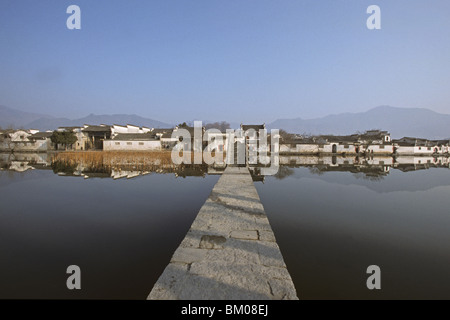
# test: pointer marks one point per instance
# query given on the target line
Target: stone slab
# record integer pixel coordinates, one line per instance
(230, 251)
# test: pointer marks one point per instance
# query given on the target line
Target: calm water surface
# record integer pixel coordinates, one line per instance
(121, 233)
(330, 225)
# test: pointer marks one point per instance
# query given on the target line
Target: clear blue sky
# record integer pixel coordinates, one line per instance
(246, 60)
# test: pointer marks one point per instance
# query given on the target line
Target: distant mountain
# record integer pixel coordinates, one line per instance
(400, 122)
(122, 119)
(15, 118)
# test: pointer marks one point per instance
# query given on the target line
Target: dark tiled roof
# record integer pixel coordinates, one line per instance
(97, 128)
(424, 143)
(404, 143)
(408, 141)
(190, 129)
(441, 142)
(256, 127)
(159, 130)
(166, 135)
(41, 135)
(331, 138)
(298, 141)
(376, 132)
(222, 135)
(69, 128)
(8, 131)
(134, 137)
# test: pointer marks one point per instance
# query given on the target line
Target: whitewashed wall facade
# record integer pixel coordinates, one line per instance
(111, 145)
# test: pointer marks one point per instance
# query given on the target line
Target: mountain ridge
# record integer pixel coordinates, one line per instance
(15, 118)
(400, 122)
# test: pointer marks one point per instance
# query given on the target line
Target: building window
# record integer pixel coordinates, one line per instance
(117, 143)
(141, 143)
(346, 146)
(320, 145)
(129, 143)
(22, 137)
(382, 146)
(429, 148)
(420, 148)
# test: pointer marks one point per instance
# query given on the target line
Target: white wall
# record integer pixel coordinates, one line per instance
(341, 148)
(19, 135)
(405, 150)
(109, 145)
(380, 160)
(381, 149)
(415, 150)
(424, 150)
(27, 146)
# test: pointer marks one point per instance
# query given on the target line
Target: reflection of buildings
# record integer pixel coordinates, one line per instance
(256, 174)
(24, 161)
(117, 167)
(409, 163)
(20, 166)
(378, 166)
(371, 166)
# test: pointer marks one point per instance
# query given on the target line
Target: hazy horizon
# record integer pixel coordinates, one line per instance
(241, 61)
(217, 120)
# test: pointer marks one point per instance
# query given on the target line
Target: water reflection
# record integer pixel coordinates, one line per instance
(332, 224)
(121, 232)
(332, 217)
(130, 166)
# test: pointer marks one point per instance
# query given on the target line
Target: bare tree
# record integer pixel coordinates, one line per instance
(222, 126)
(10, 145)
(284, 135)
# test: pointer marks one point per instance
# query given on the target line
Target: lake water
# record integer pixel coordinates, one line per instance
(332, 219)
(121, 233)
(331, 227)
